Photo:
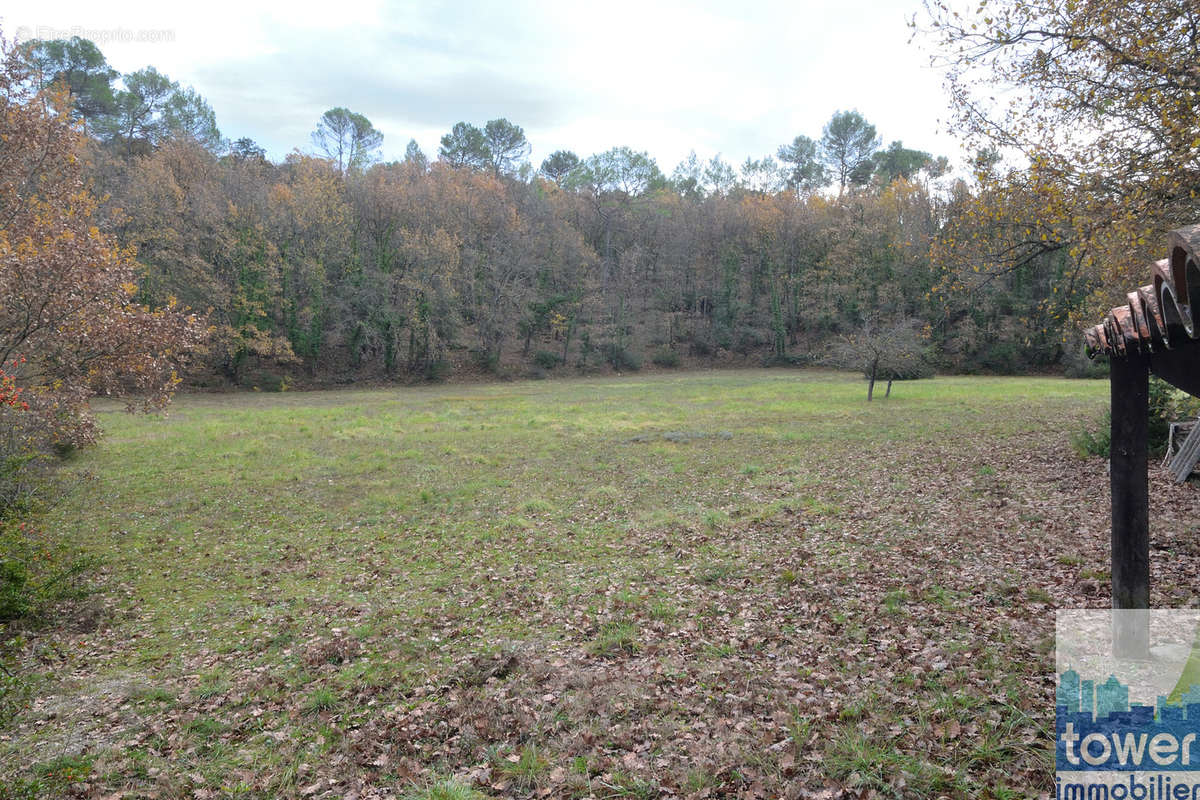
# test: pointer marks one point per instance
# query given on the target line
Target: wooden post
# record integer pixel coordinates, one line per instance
(1130, 387)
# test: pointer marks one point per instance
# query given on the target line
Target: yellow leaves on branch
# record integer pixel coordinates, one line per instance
(1100, 99)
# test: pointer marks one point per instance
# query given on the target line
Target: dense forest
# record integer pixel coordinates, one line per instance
(334, 266)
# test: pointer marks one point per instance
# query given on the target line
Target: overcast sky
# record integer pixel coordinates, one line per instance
(738, 79)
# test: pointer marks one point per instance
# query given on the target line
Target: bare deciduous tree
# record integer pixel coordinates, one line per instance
(891, 350)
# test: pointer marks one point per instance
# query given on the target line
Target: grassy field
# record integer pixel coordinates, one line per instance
(708, 584)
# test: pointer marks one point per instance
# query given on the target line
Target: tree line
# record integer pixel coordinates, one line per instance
(336, 265)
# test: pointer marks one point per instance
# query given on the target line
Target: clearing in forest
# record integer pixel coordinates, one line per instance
(704, 584)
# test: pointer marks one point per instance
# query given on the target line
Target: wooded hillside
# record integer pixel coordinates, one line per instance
(334, 266)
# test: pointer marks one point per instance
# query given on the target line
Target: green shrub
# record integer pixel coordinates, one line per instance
(788, 360)
(666, 358)
(545, 359)
(1170, 405)
(26, 456)
(20, 483)
(437, 371)
(1000, 357)
(585, 349)
(1162, 410)
(487, 361)
(747, 339)
(1076, 364)
(266, 381)
(1167, 405)
(621, 358)
(35, 572)
(15, 598)
(16, 687)
(722, 336)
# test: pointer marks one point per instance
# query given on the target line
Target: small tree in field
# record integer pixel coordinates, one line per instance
(70, 322)
(890, 351)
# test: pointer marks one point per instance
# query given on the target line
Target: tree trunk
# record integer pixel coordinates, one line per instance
(1130, 505)
(871, 385)
(888, 393)
(567, 339)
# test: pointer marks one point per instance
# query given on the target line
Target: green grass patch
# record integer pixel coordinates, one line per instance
(289, 576)
(614, 639)
(448, 789)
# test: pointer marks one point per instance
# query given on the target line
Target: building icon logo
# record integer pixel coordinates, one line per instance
(1127, 728)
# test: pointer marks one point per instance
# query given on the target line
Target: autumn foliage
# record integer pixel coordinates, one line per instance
(10, 393)
(339, 268)
(71, 324)
(1094, 107)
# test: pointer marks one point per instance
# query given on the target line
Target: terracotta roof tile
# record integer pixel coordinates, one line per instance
(1157, 316)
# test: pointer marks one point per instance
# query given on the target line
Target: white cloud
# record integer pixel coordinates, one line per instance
(659, 75)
